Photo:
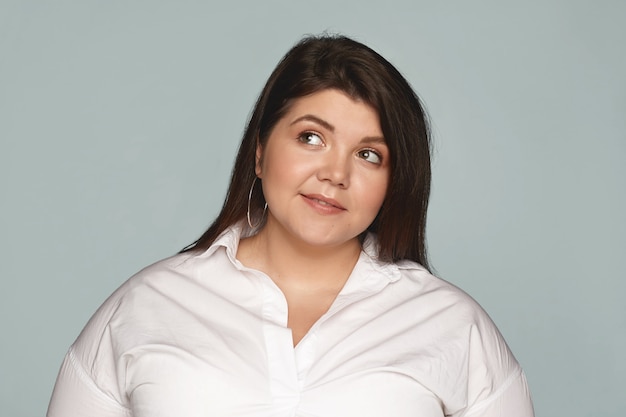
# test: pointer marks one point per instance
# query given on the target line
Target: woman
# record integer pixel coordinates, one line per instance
(309, 295)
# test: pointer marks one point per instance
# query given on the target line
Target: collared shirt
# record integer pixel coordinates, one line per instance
(200, 334)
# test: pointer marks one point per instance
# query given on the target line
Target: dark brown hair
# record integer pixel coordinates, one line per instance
(336, 62)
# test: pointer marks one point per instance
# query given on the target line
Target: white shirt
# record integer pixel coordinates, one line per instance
(199, 334)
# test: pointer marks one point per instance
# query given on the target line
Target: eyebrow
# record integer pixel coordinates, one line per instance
(328, 126)
(315, 119)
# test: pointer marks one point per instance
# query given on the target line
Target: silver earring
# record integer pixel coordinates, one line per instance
(248, 212)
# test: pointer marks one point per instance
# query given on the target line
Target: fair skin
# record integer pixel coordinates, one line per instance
(325, 171)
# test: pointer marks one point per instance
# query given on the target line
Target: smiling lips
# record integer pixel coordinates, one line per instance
(323, 204)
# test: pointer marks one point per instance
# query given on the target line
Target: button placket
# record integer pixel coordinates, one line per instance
(281, 360)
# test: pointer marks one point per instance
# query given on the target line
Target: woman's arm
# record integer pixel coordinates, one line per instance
(510, 400)
(77, 395)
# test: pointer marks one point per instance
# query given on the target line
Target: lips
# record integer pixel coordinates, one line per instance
(323, 201)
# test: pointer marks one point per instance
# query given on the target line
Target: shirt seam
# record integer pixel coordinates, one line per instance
(495, 395)
(90, 383)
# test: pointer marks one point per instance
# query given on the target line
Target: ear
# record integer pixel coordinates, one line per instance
(258, 160)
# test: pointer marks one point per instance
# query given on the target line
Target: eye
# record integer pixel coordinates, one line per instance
(370, 156)
(311, 138)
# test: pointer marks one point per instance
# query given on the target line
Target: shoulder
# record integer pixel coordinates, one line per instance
(463, 333)
(170, 270)
(438, 294)
(414, 282)
(93, 355)
(153, 293)
(156, 295)
(456, 310)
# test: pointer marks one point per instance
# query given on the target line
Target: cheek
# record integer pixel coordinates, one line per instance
(285, 168)
(281, 180)
(372, 192)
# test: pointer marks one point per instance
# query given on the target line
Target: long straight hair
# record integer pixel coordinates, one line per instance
(318, 63)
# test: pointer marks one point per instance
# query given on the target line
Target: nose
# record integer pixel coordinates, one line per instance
(335, 168)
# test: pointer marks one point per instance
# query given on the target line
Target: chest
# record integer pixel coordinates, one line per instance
(235, 356)
(247, 365)
(164, 382)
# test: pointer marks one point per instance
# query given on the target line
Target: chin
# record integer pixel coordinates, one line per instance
(327, 241)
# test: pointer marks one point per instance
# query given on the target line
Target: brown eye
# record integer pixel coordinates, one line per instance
(371, 156)
(311, 138)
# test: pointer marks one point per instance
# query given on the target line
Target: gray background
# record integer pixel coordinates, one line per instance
(119, 121)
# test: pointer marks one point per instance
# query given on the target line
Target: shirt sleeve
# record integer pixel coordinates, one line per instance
(511, 400)
(496, 384)
(77, 395)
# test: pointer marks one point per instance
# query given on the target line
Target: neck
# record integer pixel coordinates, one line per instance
(290, 262)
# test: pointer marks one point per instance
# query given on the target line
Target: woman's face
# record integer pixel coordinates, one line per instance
(324, 169)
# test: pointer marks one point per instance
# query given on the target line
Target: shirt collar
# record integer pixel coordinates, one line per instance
(229, 239)
(370, 273)
(371, 270)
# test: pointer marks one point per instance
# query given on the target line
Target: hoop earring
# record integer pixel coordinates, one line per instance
(248, 212)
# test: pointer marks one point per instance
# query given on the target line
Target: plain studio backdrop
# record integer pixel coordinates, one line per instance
(119, 122)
